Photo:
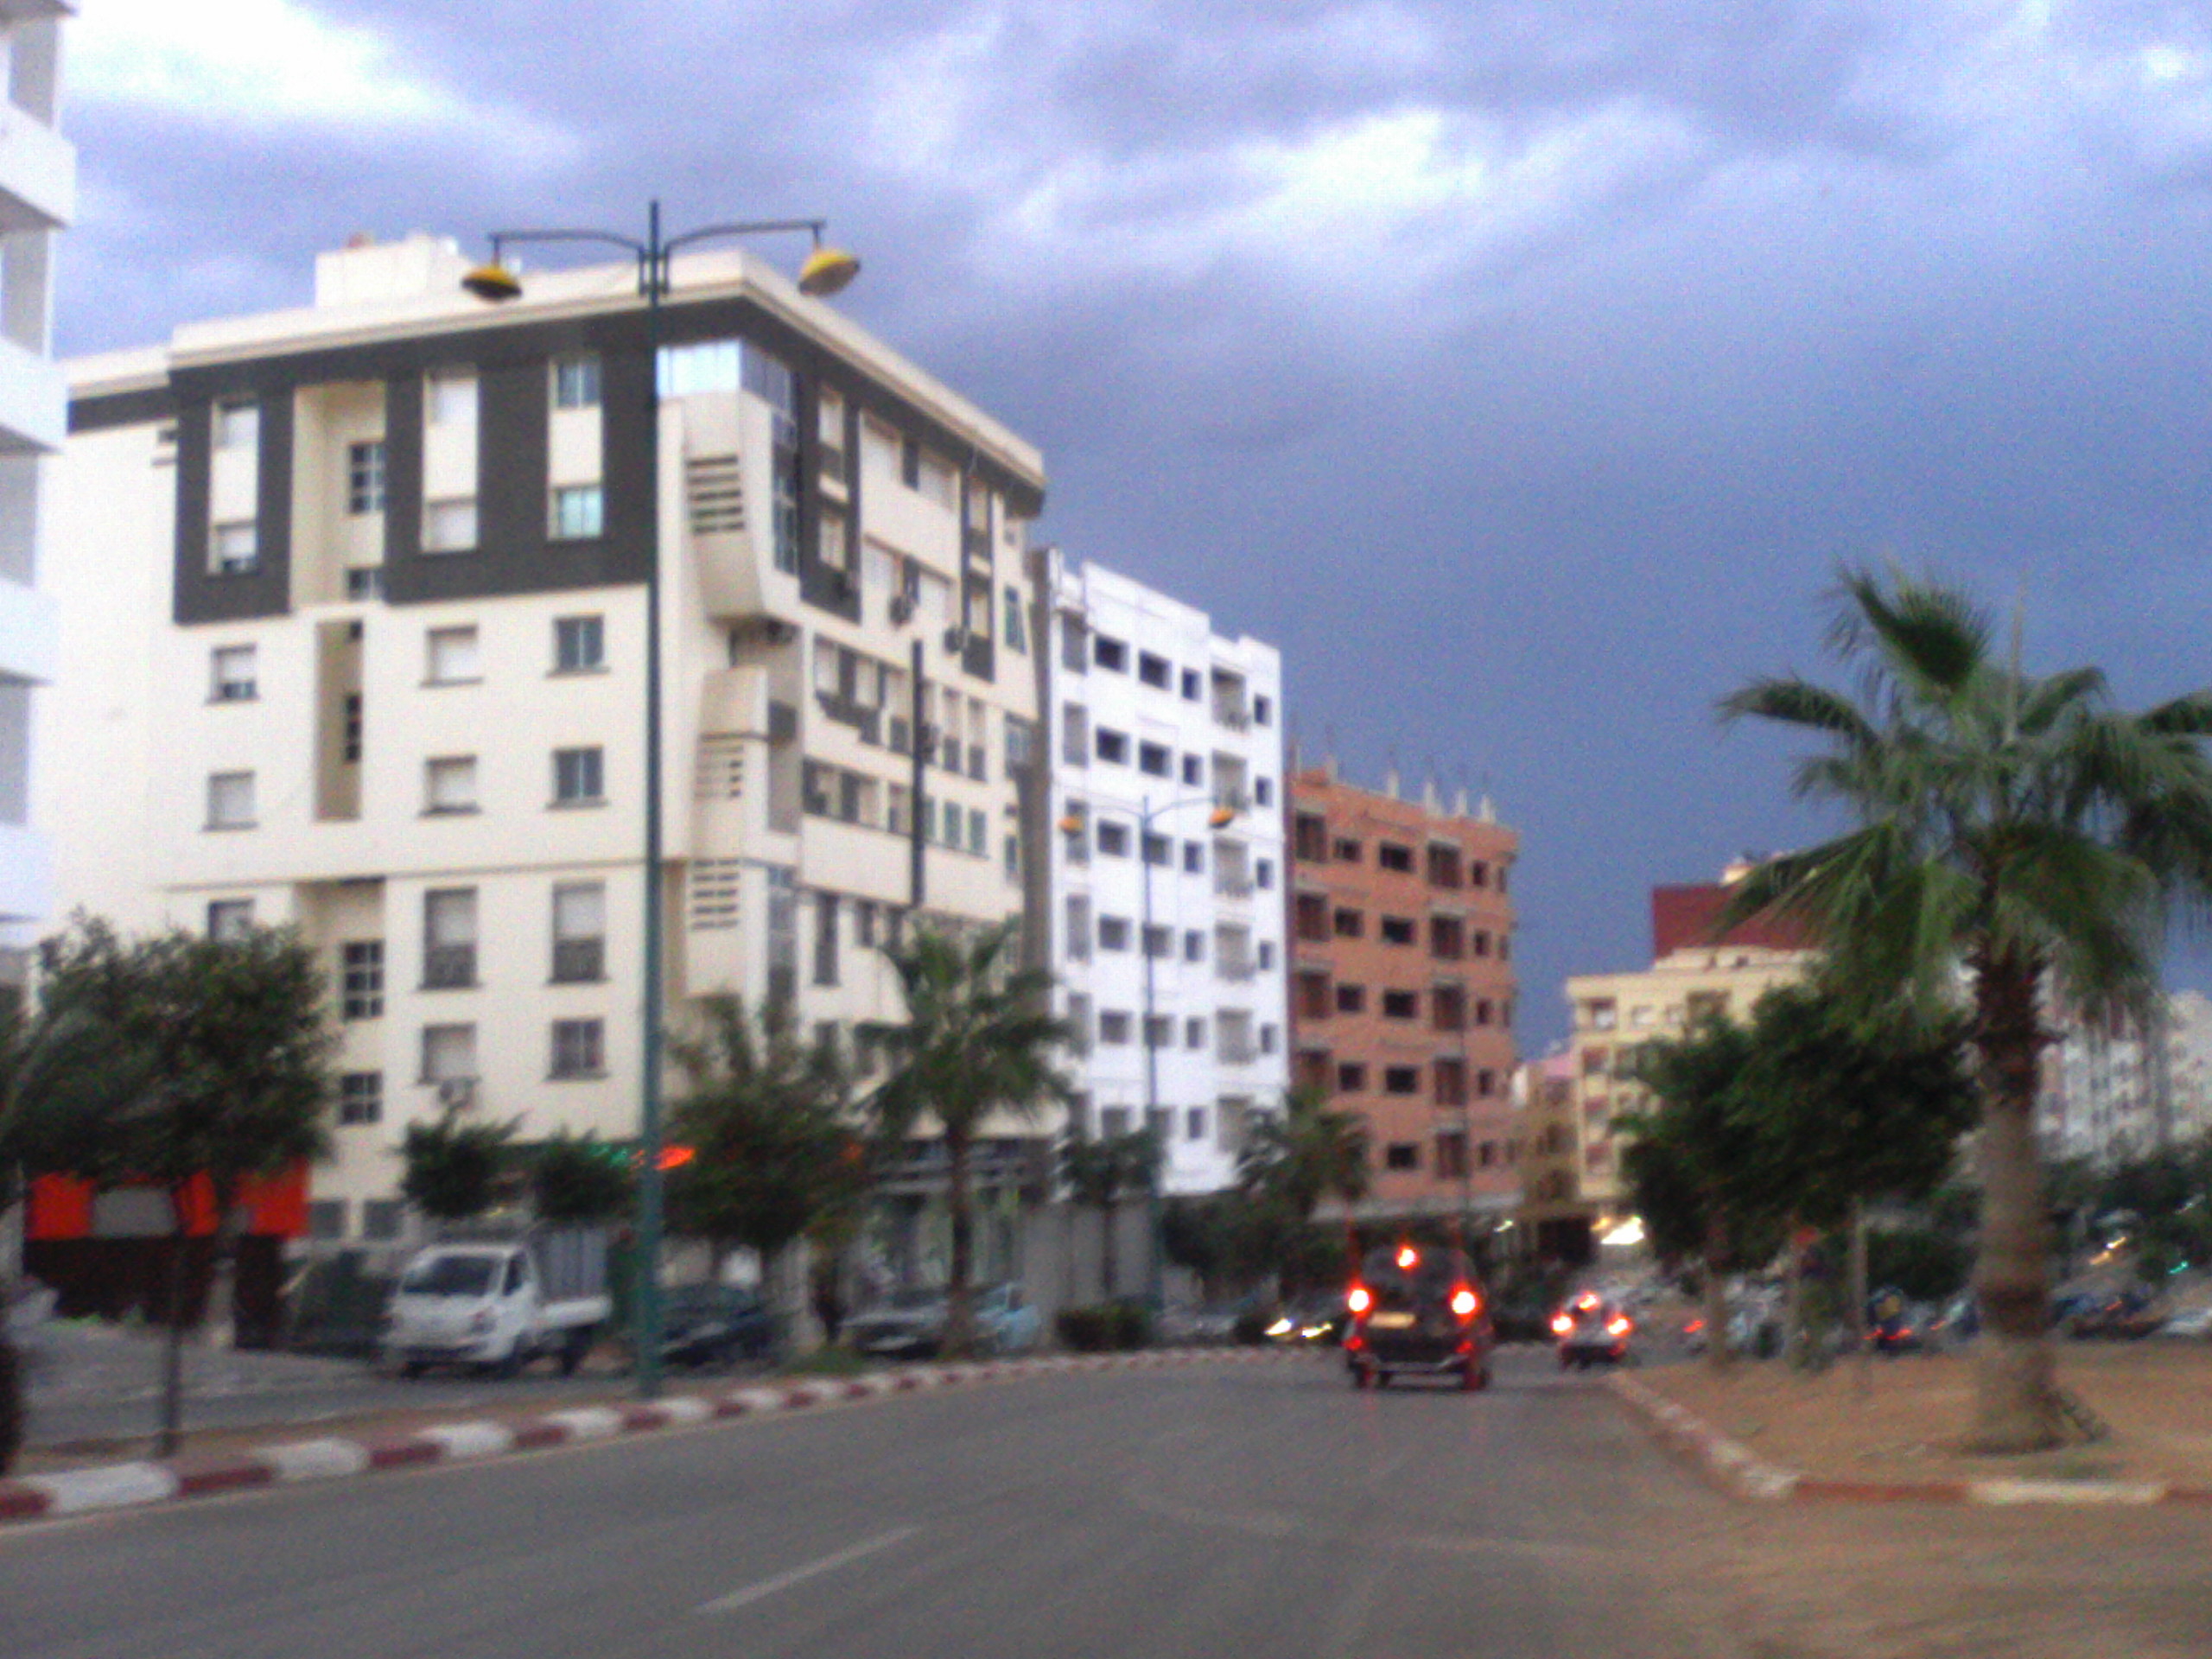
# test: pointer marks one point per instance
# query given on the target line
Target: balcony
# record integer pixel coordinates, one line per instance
(579, 961)
(1235, 1050)
(1232, 884)
(449, 967)
(1238, 970)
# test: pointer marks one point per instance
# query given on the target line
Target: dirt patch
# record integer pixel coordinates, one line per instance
(1908, 1421)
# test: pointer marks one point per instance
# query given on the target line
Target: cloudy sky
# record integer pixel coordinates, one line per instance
(1523, 369)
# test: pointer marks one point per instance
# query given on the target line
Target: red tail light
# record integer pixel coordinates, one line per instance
(1409, 1257)
(1359, 1299)
(1466, 1303)
(1619, 1326)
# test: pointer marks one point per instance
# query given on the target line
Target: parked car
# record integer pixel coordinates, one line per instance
(2192, 1324)
(1317, 1317)
(1199, 1326)
(497, 1304)
(907, 1325)
(1893, 1325)
(2123, 1315)
(1418, 1310)
(1005, 1323)
(708, 1326)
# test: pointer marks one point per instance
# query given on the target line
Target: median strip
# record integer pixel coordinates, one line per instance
(140, 1484)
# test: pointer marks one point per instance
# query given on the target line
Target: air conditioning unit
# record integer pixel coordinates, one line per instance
(456, 1093)
(955, 640)
(902, 609)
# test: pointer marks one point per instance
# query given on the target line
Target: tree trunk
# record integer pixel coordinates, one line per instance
(172, 1429)
(1109, 1262)
(1717, 1353)
(218, 1314)
(959, 1341)
(1862, 1339)
(2016, 1400)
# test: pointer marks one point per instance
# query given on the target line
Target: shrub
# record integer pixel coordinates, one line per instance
(830, 1360)
(1131, 1325)
(1087, 1329)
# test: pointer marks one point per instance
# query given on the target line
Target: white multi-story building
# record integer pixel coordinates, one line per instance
(38, 188)
(355, 634)
(1166, 876)
(2110, 1096)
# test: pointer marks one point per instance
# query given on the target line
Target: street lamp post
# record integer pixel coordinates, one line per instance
(827, 271)
(1145, 814)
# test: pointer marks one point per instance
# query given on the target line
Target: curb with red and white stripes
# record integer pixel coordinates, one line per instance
(134, 1485)
(1737, 1469)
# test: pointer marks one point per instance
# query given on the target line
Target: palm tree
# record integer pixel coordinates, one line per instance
(980, 1038)
(1308, 1152)
(2012, 827)
(1099, 1175)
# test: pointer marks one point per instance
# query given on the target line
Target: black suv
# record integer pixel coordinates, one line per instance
(1418, 1310)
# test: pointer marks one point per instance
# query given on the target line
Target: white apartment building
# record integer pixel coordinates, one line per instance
(38, 190)
(1157, 721)
(2110, 1096)
(354, 639)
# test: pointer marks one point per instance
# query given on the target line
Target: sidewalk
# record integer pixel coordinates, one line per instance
(86, 1362)
(1902, 1438)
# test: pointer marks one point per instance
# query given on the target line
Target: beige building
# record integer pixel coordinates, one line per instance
(353, 635)
(1696, 971)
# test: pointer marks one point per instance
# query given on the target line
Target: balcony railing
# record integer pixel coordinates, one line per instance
(1236, 1050)
(577, 961)
(1232, 884)
(1237, 969)
(449, 967)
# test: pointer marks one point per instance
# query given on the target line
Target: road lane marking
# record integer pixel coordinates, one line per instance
(767, 1588)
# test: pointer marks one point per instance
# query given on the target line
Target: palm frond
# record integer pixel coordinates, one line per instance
(1931, 638)
(1793, 702)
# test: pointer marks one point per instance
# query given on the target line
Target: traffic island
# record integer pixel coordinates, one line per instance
(231, 1461)
(1764, 1431)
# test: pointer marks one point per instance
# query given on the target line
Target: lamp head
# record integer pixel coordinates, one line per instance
(1071, 824)
(827, 271)
(493, 282)
(1221, 817)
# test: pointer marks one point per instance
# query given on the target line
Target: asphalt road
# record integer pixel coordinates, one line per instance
(1248, 1509)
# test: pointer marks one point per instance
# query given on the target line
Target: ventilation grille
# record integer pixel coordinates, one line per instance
(714, 489)
(721, 767)
(714, 895)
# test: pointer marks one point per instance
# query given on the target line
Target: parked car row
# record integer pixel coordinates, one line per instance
(910, 1323)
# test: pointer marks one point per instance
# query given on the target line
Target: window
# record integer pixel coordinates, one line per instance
(1078, 927)
(448, 939)
(1400, 1079)
(1079, 1023)
(1399, 930)
(1345, 850)
(1113, 1028)
(453, 658)
(1401, 1154)
(1194, 858)
(1310, 917)
(1160, 1031)
(449, 785)
(1447, 938)
(365, 582)
(576, 382)
(1263, 874)
(1075, 735)
(579, 644)
(577, 779)
(1114, 746)
(1351, 999)
(1016, 636)
(1267, 958)
(364, 477)
(1194, 771)
(449, 1053)
(864, 923)
(1075, 645)
(1392, 856)
(1193, 686)
(360, 1097)
(234, 550)
(579, 512)
(1350, 924)
(1443, 867)
(1263, 710)
(1113, 838)
(452, 397)
(1194, 1033)
(1351, 1078)
(1153, 671)
(578, 932)
(1263, 792)
(1194, 1122)
(238, 426)
(230, 800)
(578, 1048)
(230, 919)
(1159, 850)
(1309, 838)
(1113, 933)
(825, 939)
(232, 677)
(1153, 759)
(979, 832)
(1268, 1038)
(1448, 1007)
(360, 979)
(449, 526)
(383, 1220)
(1111, 654)
(1159, 941)
(1401, 1005)
(1450, 1081)
(1194, 945)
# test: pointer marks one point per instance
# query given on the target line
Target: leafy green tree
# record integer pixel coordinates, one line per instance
(1293, 1160)
(979, 1039)
(454, 1167)
(765, 1116)
(215, 1065)
(579, 1181)
(2019, 828)
(1101, 1175)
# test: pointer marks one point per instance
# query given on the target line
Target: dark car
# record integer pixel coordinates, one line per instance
(708, 1325)
(1592, 1329)
(1417, 1311)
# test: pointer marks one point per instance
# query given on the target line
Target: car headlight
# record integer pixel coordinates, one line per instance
(1280, 1328)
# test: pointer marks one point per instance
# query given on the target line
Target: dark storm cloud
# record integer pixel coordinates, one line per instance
(1521, 369)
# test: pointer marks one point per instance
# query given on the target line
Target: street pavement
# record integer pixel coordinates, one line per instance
(1263, 1510)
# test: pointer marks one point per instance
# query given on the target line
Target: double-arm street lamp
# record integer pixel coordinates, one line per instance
(1144, 815)
(826, 271)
